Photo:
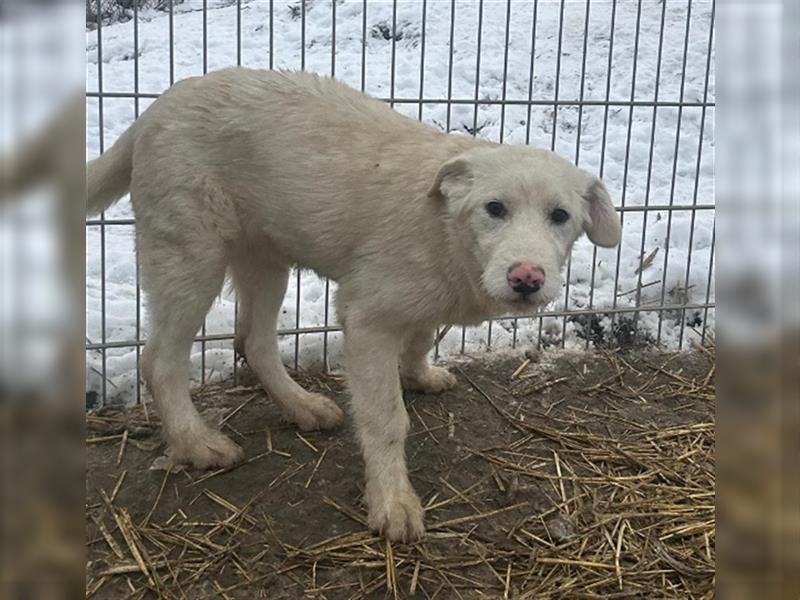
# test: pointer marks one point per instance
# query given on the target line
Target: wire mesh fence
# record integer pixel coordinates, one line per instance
(624, 89)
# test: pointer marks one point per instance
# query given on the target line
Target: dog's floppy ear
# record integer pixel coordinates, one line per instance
(602, 226)
(454, 179)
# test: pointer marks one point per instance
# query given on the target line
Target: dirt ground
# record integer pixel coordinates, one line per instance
(584, 476)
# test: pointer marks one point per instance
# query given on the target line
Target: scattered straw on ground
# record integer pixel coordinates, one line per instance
(589, 478)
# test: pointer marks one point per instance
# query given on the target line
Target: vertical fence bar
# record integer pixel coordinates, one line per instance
(448, 121)
(205, 36)
(235, 336)
(394, 53)
(136, 246)
(364, 45)
(298, 292)
(103, 214)
(422, 65)
(477, 69)
(238, 33)
(504, 91)
(577, 158)
(328, 281)
(333, 38)
(603, 144)
(649, 169)
(553, 136)
(708, 283)
(530, 108)
(674, 166)
(557, 82)
(504, 95)
(449, 106)
(419, 117)
(532, 71)
(271, 34)
(626, 167)
(326, 322)
(554, 133)
(136, 59)
(171, 42)
(475, 112)
(697, 171)
(236, 293)
(205, 70)
(582, 91)
(450, 67)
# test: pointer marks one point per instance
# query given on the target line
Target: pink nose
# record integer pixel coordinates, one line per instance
(525, 278)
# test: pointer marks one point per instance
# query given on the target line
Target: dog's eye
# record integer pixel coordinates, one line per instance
(559, 215)
(496, 209)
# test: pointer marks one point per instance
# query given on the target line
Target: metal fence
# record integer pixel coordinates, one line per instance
(623, 88)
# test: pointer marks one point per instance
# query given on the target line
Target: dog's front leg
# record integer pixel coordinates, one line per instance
(372, 354)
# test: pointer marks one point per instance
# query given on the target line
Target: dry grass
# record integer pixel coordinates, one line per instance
(582, 497)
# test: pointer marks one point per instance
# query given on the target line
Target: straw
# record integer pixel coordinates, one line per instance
(579, 492)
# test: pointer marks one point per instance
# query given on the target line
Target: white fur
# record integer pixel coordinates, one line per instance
(252, 172)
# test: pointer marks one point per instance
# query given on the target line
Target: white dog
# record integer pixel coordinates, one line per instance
(251, 172)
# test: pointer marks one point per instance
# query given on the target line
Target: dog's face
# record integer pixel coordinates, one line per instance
(518, 211)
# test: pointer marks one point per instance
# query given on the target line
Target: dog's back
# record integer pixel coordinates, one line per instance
(307, 159)
(223, 119)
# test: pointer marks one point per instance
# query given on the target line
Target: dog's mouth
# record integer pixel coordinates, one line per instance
(519, 304)
(505, 301)
(528, 302)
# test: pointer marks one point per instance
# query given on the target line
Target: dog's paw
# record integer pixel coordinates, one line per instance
(396, 514)
(434, 380)
(204, 449)
(312, 411)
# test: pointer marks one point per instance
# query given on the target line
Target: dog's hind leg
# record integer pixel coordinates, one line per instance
(181, 279)
(261, 288)
(416, 372)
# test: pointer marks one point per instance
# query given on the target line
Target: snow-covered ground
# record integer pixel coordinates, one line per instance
(634, 148)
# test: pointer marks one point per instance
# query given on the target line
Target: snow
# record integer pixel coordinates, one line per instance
(618, 148)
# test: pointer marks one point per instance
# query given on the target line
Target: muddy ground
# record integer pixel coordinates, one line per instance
(590, 476)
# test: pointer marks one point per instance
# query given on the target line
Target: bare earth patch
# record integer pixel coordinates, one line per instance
(589, 477)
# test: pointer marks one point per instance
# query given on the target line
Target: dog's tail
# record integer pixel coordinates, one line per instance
(108, 177)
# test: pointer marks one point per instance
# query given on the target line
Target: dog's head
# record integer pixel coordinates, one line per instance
(518, 211)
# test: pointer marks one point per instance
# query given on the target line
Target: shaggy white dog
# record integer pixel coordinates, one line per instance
(251, 172)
